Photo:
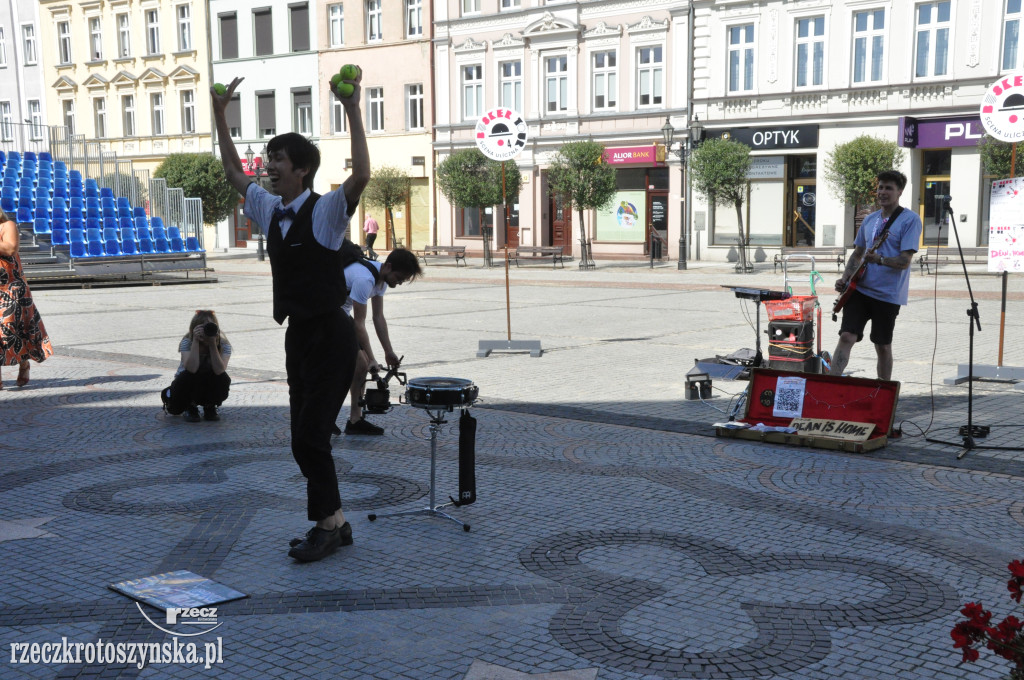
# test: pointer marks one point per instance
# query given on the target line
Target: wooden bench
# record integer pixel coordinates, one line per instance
(837, 253)
(539, 253)
(926, 257)
(458, 252)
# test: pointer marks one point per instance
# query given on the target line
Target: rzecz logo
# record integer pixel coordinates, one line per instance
(204, 618)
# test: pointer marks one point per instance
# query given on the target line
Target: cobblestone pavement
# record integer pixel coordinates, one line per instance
(613, 536)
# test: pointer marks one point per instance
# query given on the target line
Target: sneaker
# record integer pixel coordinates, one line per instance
(210, 413)
(192, 414)
(362, 427)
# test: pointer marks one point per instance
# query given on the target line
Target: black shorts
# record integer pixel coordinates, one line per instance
(860, 308)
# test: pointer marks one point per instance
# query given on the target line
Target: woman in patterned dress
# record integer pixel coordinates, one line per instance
(22, 334)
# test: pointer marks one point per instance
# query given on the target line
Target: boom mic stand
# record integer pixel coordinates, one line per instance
(970, 431)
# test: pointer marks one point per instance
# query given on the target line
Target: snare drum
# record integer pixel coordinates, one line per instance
(440, 393)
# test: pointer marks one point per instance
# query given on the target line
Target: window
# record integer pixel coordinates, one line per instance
(650, 76)
(472, 91)
(556, 84)
(605, 82)
(188, 112)
(64, 42)
(374, 15)
(95, 39)
(336, 24)
(810, 51)
(469, 220)
(413, 18)
(124, 36)
(470, 6)
(263, 32)
(128, 114)
(228, 24)
(233, 116)
(338, 122)
(300, 27)
(511, 85)
(266, 113)
(511, 4)
(156, 101)
(932, 54)
(302, 105)
(68, 107)
(6, 122)
(741, 58)
(28, 38)
(375, 108)
(99, 117)
(184, 28)
(868, 45)
(1011, 36)
(414, 107)
(3, 48)
(152, 31)
(35, 117)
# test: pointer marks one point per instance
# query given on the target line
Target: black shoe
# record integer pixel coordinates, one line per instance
(318, 544)
(335, 430)
(210, 413)
(362, 427)
(192, 414)
(346, 536)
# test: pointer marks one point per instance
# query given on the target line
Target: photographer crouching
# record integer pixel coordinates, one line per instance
(202, 378)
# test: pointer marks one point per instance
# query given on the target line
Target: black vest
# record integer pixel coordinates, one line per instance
(308, 278)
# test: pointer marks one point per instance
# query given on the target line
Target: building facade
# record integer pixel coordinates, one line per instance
(596, 70)
(23, 99)
(794, 80)
(131, 76)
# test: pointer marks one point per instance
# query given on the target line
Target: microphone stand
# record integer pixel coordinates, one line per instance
(969, 431)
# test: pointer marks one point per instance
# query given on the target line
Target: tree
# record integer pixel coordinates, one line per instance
(469, 179)
(201, 175)
(851, 169)
(995, 158)
(718, 170)
(388, 187)
(578, 174)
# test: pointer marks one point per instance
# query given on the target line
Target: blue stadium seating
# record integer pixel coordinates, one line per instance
(161, 245)
(8, 204)
(76, 222)
(173, 232)
(45, 156)
(30, 155)
(24, 214)
(76, 235)
(146, 246)
(192, 244)
(41, 225)
(113, 247)
(59, 237)
(58, 223)
(139, 211)
(106, 192)
(177, 245)
(96, 249)
(128, 247)
(78, 249)
(109, 234)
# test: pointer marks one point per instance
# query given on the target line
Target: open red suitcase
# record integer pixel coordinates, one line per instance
(860, 400)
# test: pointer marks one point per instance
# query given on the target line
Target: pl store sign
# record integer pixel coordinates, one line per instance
(1002, 109)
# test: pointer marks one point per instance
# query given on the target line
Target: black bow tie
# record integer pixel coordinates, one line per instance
(281, 213)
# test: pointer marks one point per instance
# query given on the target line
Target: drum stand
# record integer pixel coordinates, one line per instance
(436, 420)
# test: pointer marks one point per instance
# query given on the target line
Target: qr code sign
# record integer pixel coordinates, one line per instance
(789, 397)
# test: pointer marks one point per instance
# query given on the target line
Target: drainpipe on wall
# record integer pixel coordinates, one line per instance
(433, 129)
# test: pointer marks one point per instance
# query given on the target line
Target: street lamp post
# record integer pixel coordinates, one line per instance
(258, 170)
(682, 151)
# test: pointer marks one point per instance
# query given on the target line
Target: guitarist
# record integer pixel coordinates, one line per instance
(883, 288)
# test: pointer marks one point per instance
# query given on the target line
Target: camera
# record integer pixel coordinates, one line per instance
(378, 400)
(210, 329)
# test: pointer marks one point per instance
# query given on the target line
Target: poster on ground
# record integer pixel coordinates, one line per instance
(1006, 226)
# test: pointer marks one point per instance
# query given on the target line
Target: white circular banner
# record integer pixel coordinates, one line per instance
(1002, 109)
(501, 134)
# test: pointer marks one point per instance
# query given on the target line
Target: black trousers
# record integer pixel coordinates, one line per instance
(202, 388)
(320, 357)
(370, 238)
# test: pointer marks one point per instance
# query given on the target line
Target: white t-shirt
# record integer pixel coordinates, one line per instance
(361, 286)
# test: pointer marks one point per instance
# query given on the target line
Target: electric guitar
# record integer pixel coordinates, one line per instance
(851, 285)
